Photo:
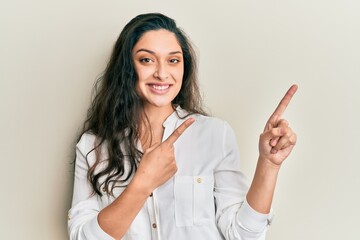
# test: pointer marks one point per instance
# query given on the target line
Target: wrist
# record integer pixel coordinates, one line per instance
(267, 163)
(262, 188)
(140, 186)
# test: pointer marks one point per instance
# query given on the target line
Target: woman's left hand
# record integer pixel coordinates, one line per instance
(278, 139)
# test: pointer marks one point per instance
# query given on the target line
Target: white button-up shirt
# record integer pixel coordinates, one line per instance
(205, 200)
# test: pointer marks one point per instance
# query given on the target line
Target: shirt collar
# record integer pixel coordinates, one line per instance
(175, 116)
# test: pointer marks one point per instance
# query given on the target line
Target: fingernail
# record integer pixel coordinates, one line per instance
(281, 131)
(273, 151)
(192, 120)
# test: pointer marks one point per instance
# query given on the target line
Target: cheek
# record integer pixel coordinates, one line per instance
(179, 74)
(142, 73)
(137, 86)
(140, 88)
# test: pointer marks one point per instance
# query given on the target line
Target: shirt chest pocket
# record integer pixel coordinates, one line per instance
(194, 200)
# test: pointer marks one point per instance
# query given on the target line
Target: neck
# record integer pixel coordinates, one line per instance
(152, 128)
(157, 115)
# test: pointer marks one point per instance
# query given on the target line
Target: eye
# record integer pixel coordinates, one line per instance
(146, 60)
(174, 60)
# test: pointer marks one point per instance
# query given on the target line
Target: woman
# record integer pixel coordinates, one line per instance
(151, 165)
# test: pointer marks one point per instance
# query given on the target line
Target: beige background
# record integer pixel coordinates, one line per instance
(250, 52)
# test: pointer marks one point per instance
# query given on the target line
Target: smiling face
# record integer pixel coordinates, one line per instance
(159, 66)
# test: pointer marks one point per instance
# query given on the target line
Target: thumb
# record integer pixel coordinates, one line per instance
(152, 147)
(272, 133)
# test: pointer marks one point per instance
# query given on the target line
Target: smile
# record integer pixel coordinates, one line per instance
(159, 87)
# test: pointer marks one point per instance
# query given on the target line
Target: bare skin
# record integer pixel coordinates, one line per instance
(156, 167)
(159, 65)
(275, 145)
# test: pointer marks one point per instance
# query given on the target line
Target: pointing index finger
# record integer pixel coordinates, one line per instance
(283, 103)
(178, 131)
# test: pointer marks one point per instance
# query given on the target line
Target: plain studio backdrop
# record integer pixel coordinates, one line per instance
(250, 52)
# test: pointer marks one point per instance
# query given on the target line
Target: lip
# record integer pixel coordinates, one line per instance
(159, 88)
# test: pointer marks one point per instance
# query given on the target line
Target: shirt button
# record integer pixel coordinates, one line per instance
(151, 194)
(199, 180)
(154, 225)
(69, 217)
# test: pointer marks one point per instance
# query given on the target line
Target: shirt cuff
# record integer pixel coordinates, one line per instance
(93, 231)
(252, 220)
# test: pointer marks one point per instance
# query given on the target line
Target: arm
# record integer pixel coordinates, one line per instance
(82, 223)
(156, 167)
(235, 218)
(245, 216)
(85, 220)
(275, 145)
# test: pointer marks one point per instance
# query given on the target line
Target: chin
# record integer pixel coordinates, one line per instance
(159, 104)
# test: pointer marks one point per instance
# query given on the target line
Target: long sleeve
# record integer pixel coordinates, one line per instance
(208, 169)
(82, 217)
(235, 218)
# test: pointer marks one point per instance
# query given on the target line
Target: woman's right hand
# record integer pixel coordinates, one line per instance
(158, 163)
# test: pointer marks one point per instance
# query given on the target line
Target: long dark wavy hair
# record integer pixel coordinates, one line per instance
(115, 114)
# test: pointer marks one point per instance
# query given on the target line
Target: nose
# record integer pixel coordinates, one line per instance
(161, 72)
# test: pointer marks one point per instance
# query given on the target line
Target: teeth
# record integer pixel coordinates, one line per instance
(160, 87)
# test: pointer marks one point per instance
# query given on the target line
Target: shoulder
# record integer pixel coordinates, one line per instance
(85, 149)
(210, 126)
(206, 127)
(209, 119)
(200, 119)
(206, 121)
(87, 142)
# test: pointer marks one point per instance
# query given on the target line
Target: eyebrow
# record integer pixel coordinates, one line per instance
(152, 52)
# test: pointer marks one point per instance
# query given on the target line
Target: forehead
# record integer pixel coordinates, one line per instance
(158, 41)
